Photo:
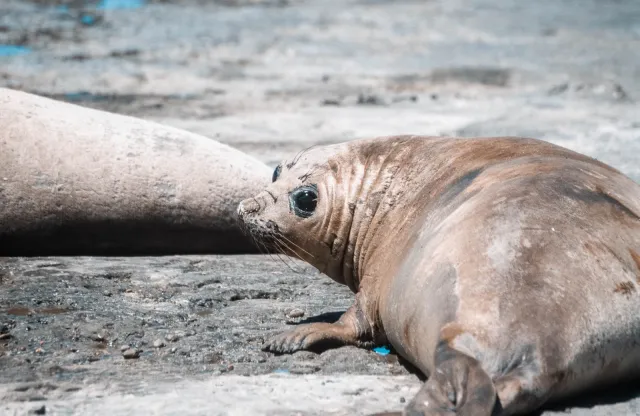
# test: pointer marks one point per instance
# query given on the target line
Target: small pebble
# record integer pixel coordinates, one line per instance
(331, 101)
(172, 337)
(131, 353)
(38, 411)
(402, 400)
(158, 343)
(124, 348)
(40, 351)
(173, 350)
(97, 337)
(295, 313)
(225, 368)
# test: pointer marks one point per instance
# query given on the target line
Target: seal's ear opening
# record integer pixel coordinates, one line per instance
(304, 200)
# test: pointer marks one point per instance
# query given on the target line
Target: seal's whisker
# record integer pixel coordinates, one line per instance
(294, 244)
(299, 155)
(284, 243)
(289, 252)
(287, 264)
(258, 244)
(271, 254)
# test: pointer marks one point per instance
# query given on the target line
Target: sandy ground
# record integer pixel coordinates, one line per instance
(270, 78)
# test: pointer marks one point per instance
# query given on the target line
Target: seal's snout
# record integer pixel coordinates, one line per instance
(247, 207)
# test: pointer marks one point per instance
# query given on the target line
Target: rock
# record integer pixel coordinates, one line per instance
(38, 410)
(131, 353)
(158, 343)
(97, 337)
(172, 337)
(370, 99)
(123, 348)
(304, 368)
(295, 313)
(331, 102)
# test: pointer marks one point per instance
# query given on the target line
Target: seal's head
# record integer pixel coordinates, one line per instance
(320, 205)
(296, 214)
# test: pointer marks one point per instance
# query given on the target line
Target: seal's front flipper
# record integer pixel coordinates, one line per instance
(351, 329)
(458, 386)
(310, 336)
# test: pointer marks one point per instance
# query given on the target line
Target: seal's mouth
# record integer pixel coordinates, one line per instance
(265, 234)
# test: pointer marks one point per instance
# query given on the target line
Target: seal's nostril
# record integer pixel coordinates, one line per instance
(249, 206)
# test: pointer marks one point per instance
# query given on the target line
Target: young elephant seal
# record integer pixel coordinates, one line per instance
(74, 181)
(507, 270)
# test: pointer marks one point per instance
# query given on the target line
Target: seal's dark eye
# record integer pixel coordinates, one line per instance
(276, 173)
(303, 201)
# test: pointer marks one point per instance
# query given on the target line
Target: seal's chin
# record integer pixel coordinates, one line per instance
(265, 233)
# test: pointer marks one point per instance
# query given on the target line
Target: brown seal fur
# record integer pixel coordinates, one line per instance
(506, 269)
(74, 180)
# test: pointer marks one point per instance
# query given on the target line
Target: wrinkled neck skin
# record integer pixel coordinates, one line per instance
(360, 189)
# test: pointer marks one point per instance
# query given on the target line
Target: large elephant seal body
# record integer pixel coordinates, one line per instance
(74, 180)
(507, 270)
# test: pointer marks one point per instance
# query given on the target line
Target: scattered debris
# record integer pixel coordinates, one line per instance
(382, 350)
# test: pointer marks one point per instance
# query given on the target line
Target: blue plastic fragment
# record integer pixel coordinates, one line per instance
(87, 20)
(13, 50)
(382, 350)
(120, 4)
(281, 371)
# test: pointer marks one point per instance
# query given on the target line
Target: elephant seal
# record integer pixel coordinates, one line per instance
(507, 270)
(78, 181)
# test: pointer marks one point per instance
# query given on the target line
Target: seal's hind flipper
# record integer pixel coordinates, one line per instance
(458, 386)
